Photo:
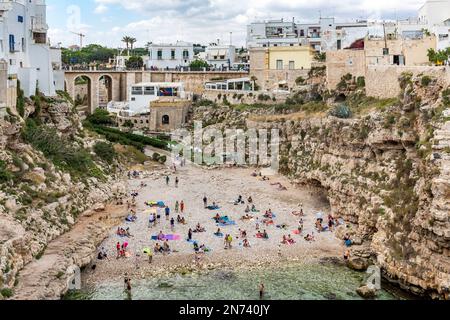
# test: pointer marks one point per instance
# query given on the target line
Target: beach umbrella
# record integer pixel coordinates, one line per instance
(147, 250)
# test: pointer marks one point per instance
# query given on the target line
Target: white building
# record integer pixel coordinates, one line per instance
(171, 56)
(325, 35)
(24, 45)
(141, 95)
(221, 56)
(435, 12)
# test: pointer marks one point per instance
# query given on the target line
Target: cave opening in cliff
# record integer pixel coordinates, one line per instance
(320, 192)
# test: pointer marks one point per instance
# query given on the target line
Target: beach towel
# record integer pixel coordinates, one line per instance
(213, 207)
(260, 236)
(170, 237)
(191, 241)
(219, 235)
(273, 216)
(228, 223)
(296, 232)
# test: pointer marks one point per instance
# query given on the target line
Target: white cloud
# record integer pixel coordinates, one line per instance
(204, 21)
(100, 9)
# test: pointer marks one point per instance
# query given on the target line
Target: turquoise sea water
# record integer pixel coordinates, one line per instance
(321, 281)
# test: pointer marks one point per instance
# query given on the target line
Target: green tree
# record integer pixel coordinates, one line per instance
(134, 62)
(198, 64)
(100, 117)
(105, 151)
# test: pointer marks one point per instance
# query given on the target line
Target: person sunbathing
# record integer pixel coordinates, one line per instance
(263, 235)
(298, 213)
(217, 218)
(158, 248)
(166, 247)
(247, 210)
(268, 222)
(285, 240)
(246, 244)
(247, 217)
(199, 228)
(254, 209)
(309, 237)
(250, 200)
(218, 233)
(161, 236)
(268, 214)
(290, 240)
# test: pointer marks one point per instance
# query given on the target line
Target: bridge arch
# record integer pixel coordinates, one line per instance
(82, 93)
(105, 89)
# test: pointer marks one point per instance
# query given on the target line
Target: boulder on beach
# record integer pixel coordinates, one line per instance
(358, 263)
(367, 292)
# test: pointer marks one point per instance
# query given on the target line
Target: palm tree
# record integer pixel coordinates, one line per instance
(132, 42)
(127, 41)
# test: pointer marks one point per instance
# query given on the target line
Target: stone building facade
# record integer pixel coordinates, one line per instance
(165, 115)
(400, 53)
(271, 75)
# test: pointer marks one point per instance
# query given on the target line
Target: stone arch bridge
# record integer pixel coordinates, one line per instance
(117, 82)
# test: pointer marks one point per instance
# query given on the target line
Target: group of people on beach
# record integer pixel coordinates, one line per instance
(251, 213)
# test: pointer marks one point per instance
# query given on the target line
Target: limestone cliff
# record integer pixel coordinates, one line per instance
(386, 171)
(43, 192)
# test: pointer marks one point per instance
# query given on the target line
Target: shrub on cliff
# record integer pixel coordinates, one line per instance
(100, 117)
(61, 151)
(5, 175)
(342, 111)
(446, 97)
(105, 151)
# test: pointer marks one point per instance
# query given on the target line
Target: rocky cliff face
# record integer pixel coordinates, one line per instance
(385, 171)
(42, 199)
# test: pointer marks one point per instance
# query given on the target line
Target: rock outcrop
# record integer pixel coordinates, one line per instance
(41, 199)
(385, 171)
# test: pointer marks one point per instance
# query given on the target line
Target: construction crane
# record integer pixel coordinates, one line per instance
(81, 38)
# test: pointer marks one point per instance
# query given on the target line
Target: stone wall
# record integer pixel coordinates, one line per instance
(382, 81)
(244, 97)
(341, 62)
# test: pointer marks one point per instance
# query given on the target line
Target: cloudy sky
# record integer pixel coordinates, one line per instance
(199, 21)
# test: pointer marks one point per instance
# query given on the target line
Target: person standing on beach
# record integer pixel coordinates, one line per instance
(176, 182)
(182, 206)
(262, 291)
(127, 283)
(167, 180)
(190, 235)
(205, 201)
(177, 207)
(172, 224)
(167, 213)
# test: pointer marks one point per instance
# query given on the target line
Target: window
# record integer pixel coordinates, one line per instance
(302, 33)
(159, 54)
(339, 44)
(172, 54)
(23, 44)
(12, 43)
(149, 91)
(165, 119)
(136, 90)
(291, 65)
(222, 57)
(185, 54)
(20, 19)
(279, 64)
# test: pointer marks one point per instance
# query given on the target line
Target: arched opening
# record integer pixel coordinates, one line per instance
(82, 94)
(340, 98)
(165, 119)
(104, 91)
